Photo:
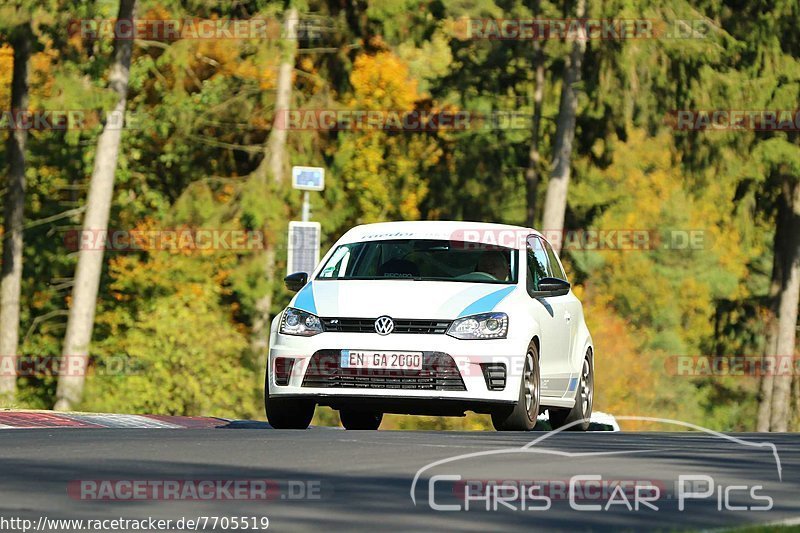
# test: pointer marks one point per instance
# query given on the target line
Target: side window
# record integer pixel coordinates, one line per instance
(555, 269)
(337, 265)
(537, 263)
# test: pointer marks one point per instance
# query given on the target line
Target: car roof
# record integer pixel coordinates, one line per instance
(478, 232)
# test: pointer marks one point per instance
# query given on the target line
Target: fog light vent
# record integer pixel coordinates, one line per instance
(495, 375)
(283, 369)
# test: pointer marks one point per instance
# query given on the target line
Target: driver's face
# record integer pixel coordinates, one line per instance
(495, 265)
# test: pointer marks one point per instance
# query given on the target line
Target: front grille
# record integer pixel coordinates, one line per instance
(367, 325)
(439, 372)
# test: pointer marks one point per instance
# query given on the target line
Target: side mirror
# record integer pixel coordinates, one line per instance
(295, 282)
(552, 287)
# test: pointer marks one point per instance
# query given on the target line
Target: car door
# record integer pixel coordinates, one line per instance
(573, 308)
(554, 320)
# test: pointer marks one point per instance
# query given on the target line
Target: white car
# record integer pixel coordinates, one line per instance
(432, 318)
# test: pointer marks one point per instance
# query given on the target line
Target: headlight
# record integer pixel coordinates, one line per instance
(483, 326)
(297, 322)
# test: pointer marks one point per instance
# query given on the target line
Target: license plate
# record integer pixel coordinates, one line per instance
(381, 359)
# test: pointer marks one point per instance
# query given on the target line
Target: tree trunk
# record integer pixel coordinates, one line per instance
(274, 162)
(532, 172)
(11, 272)
(98, 205)
(275, 150)
(787, 307)
(794, 424)
(556, 200)
(768, 379)
(261, 322)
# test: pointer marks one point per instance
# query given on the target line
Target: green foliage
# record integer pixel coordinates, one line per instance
(170, 343)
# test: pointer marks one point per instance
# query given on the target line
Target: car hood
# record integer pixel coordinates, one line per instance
(399, 298)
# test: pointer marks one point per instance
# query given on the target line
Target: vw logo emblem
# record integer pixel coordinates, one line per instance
(384, 325)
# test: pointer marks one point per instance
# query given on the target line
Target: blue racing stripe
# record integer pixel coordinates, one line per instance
(487, 303)
(305, 299)
(573, 383)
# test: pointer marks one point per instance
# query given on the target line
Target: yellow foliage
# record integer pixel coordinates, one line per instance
(382, 81)
(224, 57)
(384, 173)
(42, 72)
(157, 12)
(210, 58)
(307, 65)
(6, 68)
(627, 381)
(41, 78)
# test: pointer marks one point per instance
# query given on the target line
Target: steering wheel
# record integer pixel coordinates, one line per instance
(477, 275)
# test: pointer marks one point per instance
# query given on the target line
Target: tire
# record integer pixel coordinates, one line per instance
(354, 419)
(584, 399)
(289, 413)
(522, 417)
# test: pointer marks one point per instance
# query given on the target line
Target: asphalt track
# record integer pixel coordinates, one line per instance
(363, 480)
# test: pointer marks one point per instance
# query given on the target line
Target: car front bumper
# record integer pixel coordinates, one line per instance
(468, 356)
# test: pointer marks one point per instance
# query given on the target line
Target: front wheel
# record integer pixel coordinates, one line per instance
(353, 419)
(522, 417)
(582, 410)
(289, 413)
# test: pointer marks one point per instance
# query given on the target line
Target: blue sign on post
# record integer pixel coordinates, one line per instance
(308, 178)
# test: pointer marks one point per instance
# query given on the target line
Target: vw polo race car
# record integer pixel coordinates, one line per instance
(432, 318)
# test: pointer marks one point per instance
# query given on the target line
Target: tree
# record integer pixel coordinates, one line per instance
(383, 81)
(788, 299)
(275, 162)
(11, 273)
(532, 173)
(98, 205)
(555, 205)
(767, 379)
(275, 150)
(780, 163)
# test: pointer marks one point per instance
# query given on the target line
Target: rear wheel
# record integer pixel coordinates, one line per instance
(522, 417)
(582, 410)
(354, 419)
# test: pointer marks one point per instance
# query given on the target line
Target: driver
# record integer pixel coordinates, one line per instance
(494, 263)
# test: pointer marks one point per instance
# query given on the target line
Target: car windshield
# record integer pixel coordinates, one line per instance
(419, 259)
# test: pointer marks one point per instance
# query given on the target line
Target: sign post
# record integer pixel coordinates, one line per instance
(304, 237)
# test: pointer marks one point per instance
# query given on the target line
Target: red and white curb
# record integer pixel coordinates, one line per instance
(52, 419)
